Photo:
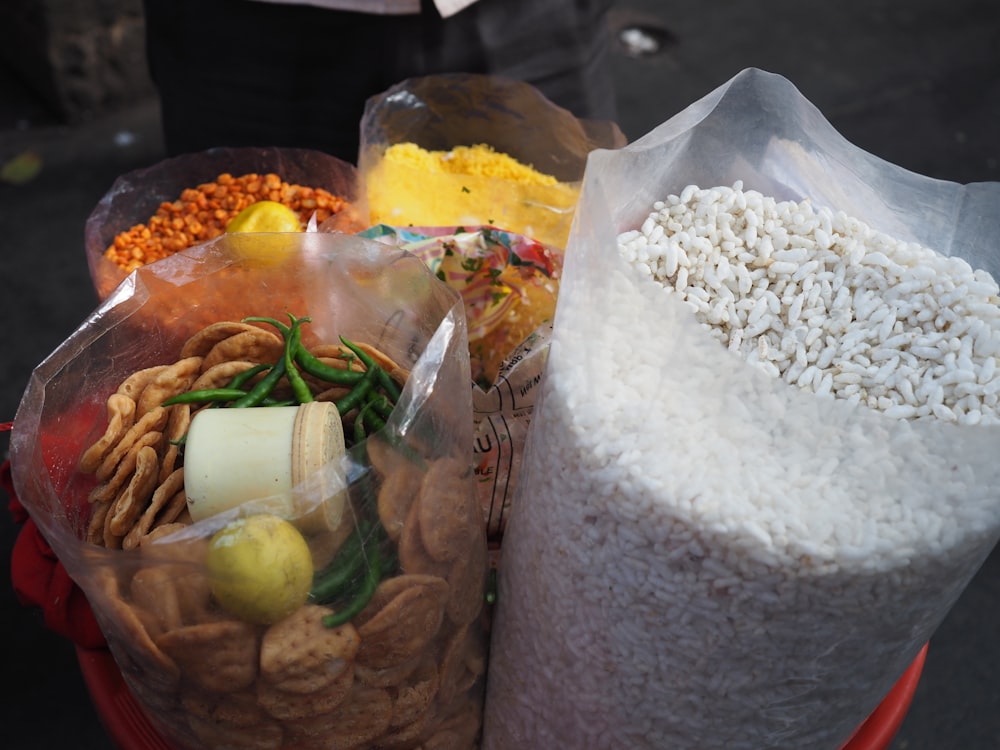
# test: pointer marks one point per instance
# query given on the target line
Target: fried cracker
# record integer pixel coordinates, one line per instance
(353, 723)
(132, 501)
(161, 531)
(288, 706)
(449, 512)
(463, 663)
(414, 697)
(395, 497)
(220, 375)
(405, 625)
(153, 421)
(178, 424)
(467, 584)
(168, 497)
(134, 384)
(107, 490)
(98, 518)
(201, 343)
(216, 656)
(121, 416)
(255, 345)
(300, 655)
(168, 382)
(221, 735)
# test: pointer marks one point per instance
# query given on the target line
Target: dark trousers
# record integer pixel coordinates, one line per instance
(248, 73)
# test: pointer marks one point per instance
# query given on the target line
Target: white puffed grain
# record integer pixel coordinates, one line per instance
(869, 297)
(743, 585)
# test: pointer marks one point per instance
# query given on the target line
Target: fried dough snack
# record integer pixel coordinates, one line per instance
(406, 672)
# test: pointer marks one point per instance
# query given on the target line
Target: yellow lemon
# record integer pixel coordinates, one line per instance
(260, 568)
(265, 216)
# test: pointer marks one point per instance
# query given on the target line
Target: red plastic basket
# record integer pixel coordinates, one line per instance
(130, 729)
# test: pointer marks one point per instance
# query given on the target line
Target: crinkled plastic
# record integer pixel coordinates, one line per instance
(509, 285)
(407, 668)
(438, 113)
(632, 613)
(135, 196)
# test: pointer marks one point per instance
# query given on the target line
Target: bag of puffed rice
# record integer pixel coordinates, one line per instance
(253, 458)
(762, 465)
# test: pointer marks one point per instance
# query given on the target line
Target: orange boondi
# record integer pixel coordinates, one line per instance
(202, 213)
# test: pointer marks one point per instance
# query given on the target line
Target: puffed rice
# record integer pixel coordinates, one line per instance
(704, 558)
(822, 294)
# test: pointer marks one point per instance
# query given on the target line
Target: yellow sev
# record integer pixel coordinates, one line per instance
(480, 159)
(468, 186)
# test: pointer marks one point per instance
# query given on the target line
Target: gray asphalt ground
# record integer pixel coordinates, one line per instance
(916, 82)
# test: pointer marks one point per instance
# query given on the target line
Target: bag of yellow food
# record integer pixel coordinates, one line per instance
(154, 212)
(266, 494)
(462, 149)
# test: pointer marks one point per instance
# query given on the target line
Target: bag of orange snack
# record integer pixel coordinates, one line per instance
(153, 212)
(462, 149)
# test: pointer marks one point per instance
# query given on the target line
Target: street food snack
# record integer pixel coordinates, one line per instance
(154, 213)
(371, 382)
(469, 185)
(295, 630)
(202, 212)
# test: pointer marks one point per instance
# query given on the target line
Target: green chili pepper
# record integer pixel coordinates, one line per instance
(359, 426)
(282, 328)
(317, 368)
(247, 375)
(384, 379)
(370, 415)
(359, 392)
(333, 580)
(381, 404)
(263, 388)
(241, 380)
(365, 592)
(292, 342)
(206, 395)
(491, 587)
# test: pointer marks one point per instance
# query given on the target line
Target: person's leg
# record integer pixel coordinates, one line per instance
(246, 73)
(561, 47)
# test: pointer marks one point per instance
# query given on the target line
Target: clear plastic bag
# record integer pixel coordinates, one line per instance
(136, 196)
(442, 112)
(509, 285)
(640, 603)
(409, 662)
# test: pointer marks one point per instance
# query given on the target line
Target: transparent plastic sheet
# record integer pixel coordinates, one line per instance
(622, 575)
(439, 113)
(135, 196)
(509, 285)
(407, 668)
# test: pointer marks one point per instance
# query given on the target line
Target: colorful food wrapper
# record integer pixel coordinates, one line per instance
(508, 284)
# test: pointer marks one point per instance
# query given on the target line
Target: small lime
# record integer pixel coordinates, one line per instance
(265, 216)
(260, 568)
